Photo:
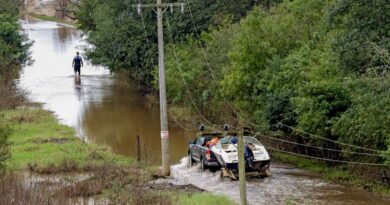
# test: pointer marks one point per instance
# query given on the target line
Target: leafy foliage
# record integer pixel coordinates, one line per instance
(124, 40)
(363, 38)
(320, 66)
(281, 65)
(14, 52)
(13, 46)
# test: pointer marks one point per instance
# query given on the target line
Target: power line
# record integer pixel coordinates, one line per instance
(233, 109)
(329, 140)
(179, 124)
(182, 76)
(326, 159)
(184, 82)
(148, 45)
(212, 73)
(146, 34)
(322, 148)
(160, 9)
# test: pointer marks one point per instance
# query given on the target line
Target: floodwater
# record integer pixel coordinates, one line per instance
(287, 185)
(102, 109)
(105, 110)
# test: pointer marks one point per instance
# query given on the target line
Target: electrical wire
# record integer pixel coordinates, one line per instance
(322, 148)
(184, 82)
(212, 73)
(329, 140)
(326, 159)
(321, 158)
(150, 54)
(182, 77)
(238, 114)
(179, 124)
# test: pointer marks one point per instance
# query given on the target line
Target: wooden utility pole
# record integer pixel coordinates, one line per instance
(241, 167)
(161, 8)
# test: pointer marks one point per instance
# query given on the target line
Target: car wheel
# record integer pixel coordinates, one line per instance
(190, 162)
(203, 164)
(265, 173)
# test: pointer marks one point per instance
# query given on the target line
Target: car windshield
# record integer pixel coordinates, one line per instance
(234, 140)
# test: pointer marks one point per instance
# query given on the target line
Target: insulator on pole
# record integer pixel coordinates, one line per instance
(182, 7)
(139, 8)
(225, 127)
(201, 127)
(171, 7)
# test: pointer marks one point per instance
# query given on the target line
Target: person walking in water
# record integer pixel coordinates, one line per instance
(77, 63)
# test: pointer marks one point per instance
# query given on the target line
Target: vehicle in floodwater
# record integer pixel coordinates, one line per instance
(219, 151)
(257, 159)
(199, 151)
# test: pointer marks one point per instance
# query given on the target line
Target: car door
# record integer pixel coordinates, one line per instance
(192, 147)
(198, 149)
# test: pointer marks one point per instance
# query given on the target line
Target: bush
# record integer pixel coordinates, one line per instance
(14, 53)
(5, 153)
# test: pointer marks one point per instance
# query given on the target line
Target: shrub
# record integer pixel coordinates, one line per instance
(5, 154)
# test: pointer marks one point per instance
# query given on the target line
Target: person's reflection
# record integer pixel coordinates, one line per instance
(77, 82)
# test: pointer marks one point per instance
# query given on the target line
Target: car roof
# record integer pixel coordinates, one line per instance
(215, 134)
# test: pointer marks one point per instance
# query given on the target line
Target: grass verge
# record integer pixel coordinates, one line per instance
(335, 173)
(40, 143)
(203, 199)
(74, 169)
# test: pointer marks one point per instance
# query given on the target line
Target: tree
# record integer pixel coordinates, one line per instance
(362, 40)
(13, 47)
(14, 51)
(124, 40)
(260, 81)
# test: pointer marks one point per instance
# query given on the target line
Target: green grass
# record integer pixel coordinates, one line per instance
(336, 173)
(203, 199)
(52, 18)
(38, 140)
(35, 146)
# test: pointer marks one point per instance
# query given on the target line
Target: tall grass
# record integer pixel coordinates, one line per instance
(10, 95)
(5, 132)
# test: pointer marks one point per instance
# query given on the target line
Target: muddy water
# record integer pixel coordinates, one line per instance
(109, 111)
(287, 185)
(102, 110)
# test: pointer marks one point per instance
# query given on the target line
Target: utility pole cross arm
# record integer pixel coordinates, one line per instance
(162, 5)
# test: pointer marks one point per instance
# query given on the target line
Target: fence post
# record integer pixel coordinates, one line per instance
(138, 149)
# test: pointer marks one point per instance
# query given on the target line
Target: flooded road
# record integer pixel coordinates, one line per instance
(103, 110)
(287, 185)
(109, 111)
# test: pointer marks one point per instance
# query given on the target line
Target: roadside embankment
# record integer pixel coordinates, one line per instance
(49, 163)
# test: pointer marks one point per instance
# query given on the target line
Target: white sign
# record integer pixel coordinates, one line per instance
(164, 135)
